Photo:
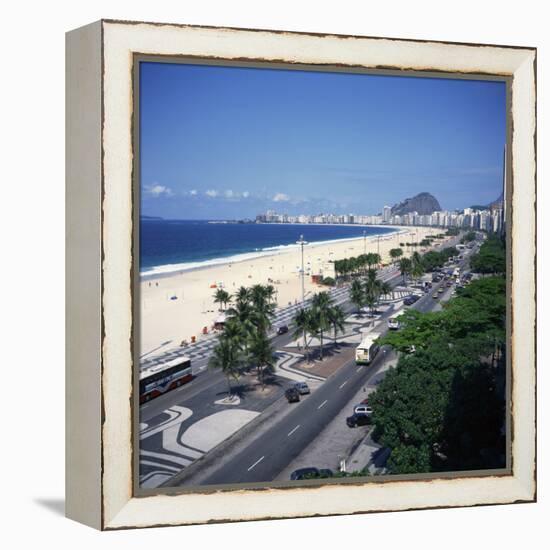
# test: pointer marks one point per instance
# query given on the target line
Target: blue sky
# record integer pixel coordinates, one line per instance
(227, 142)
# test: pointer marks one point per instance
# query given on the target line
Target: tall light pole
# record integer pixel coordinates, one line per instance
(301, 242)
(364, 241)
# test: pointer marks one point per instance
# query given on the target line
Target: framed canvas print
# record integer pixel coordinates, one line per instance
(300, 274)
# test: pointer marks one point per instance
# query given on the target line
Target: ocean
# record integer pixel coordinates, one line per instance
(168, 246)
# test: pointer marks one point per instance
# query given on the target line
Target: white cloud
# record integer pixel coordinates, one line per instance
(280, 197)
(157, 190)
(193, 192)
(246, 194)
(211, 193)
(229, 194)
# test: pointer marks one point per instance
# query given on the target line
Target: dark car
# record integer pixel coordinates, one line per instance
(309, 473)
(292, 395)
(410, 300)
(358, 419)
(282, 329)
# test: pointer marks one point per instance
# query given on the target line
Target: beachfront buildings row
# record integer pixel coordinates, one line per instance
(489, 219)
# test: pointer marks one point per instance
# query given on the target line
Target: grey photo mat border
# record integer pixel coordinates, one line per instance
(137, 59)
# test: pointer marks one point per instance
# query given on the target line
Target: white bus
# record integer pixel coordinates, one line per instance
(159, 379)
(366, 351)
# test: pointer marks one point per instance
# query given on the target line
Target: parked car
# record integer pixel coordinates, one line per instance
(358, 420)
(310, 472)
(441, 290)
(292, 395)
(302, 387)
(435, 295)
(410, 300)
(362, 408)
(393, 324)
(282, 329)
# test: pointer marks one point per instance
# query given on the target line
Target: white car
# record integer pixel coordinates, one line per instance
(393, 323)
(362, 409)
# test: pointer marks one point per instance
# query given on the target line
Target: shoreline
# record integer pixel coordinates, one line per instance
(178, 305)
(155, 272)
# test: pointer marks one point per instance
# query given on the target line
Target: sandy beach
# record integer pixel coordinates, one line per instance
(176, 307)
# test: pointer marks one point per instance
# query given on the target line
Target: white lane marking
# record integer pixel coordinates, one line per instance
(256, 463)
(293, 430)
(323, 404)
(342, 385)
(358, 369)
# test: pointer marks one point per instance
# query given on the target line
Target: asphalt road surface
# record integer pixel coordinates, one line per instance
(270, 453)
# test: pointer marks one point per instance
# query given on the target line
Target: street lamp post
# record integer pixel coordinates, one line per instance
(364, 241)
(301, 242)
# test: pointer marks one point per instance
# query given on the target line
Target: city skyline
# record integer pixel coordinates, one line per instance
(489, 219)
(313, 142)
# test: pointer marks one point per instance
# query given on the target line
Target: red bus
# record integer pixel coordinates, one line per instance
(159, 379)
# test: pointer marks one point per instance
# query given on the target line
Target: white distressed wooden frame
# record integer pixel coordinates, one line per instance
(99, 255)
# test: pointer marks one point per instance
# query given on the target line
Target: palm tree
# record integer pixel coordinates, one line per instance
(262, 354)
(321, 304)
(337, 319)
(396, 253)
(221, 297)
(372, 289)
(302, 324)
(417, 271)
(385, 288)
(257, 295)
(227, 357)
(233, 332)
(371, 299)
(263, 308)
(357, 294)
(242, 313)
(405, 266)
(242, 295)
(372, 259)
(270, 293)
(371, 278)
(352, 265)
